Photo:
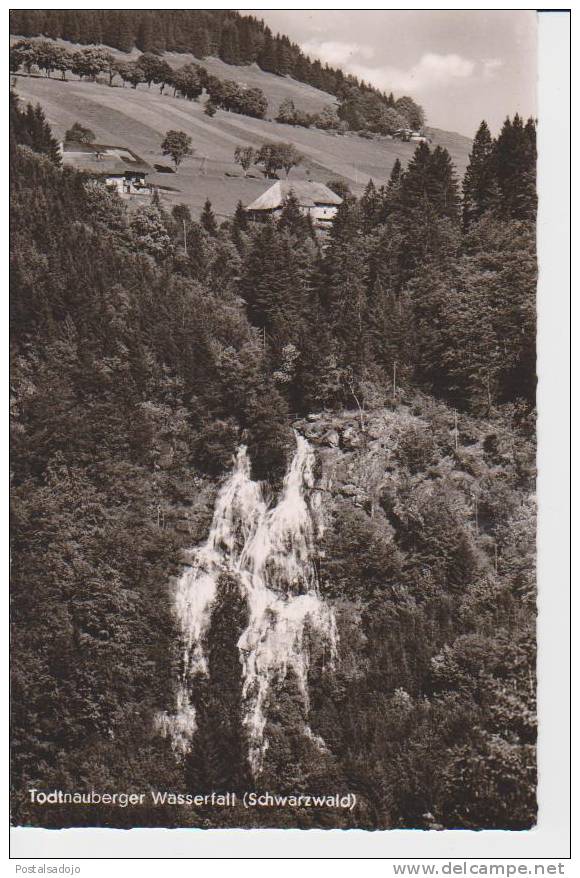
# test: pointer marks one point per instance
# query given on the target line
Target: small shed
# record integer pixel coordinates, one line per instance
(315, 199)
(117, 166)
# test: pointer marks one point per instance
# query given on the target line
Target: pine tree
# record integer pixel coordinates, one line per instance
(390, 329)
(145, 41)
(480, 191)
(230, 45)
(384, 268)
(247, 46)
(71, 28)
(239, 228)
(415, 183)
(443, 188)
(292, 219)
(240, 218)
(119, 31)
(54, 26)
(528, 198)
(389, 195)
(208, 220)
(200, 42)
(283, 56)
(369, 207)
(218, 760)
(40, 134)
(515, 168)
(273, 285)
(318, 381)
(342, 287)
(267, 59)
(346, 224)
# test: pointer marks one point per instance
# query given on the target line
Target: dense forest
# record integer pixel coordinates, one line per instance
(235, 39)
(139, 365)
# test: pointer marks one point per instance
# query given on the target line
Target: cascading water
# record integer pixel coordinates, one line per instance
(271, 554)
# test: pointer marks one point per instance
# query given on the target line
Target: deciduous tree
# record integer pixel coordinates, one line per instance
(177, 144)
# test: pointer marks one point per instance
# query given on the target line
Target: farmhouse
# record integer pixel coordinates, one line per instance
(410, 136)
(417, 137)
(116, 165)
(315, 199)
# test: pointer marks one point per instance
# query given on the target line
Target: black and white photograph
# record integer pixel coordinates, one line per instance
(273, 419)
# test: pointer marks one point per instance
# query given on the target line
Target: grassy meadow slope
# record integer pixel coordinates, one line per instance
(139, 119)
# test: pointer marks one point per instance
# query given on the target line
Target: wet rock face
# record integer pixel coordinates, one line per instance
(351, 462)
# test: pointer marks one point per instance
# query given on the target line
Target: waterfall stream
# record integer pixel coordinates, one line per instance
(270, 552)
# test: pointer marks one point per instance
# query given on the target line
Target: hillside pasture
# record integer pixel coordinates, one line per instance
(138, 119)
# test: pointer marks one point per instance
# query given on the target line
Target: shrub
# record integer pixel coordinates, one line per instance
(415, 448)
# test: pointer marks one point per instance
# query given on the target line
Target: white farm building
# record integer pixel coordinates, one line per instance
(116, 166)
(315, 199)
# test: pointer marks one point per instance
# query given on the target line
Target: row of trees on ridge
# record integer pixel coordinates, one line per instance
(358, 109)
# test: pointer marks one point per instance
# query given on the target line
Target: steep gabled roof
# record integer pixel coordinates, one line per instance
(99, 158)
(308, 195)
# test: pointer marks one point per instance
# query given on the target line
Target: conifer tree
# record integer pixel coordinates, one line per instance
(385, 259)
(343, 286)
(292, 219)
(283, 56)
(218, 760)
(144, 40)
(71, 28)
(480, 192)
(528, 198)
(208, 220)
(369, 207)
(346, 223)
(240, 218)
(515, 168)
(230, 45)
(389, 195)
(200, 43)
(443, 188)
(396, 176)
(40, 134)
(415, 182)
(273, 285)
(267, 59)
(247, 44)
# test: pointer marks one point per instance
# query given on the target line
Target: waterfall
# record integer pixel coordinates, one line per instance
(270, 552)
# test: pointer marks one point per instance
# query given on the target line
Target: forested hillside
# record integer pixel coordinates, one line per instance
(403, 350)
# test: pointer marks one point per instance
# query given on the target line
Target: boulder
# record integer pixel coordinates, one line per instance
(312, 432)
(350, 439)
(331, 438)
